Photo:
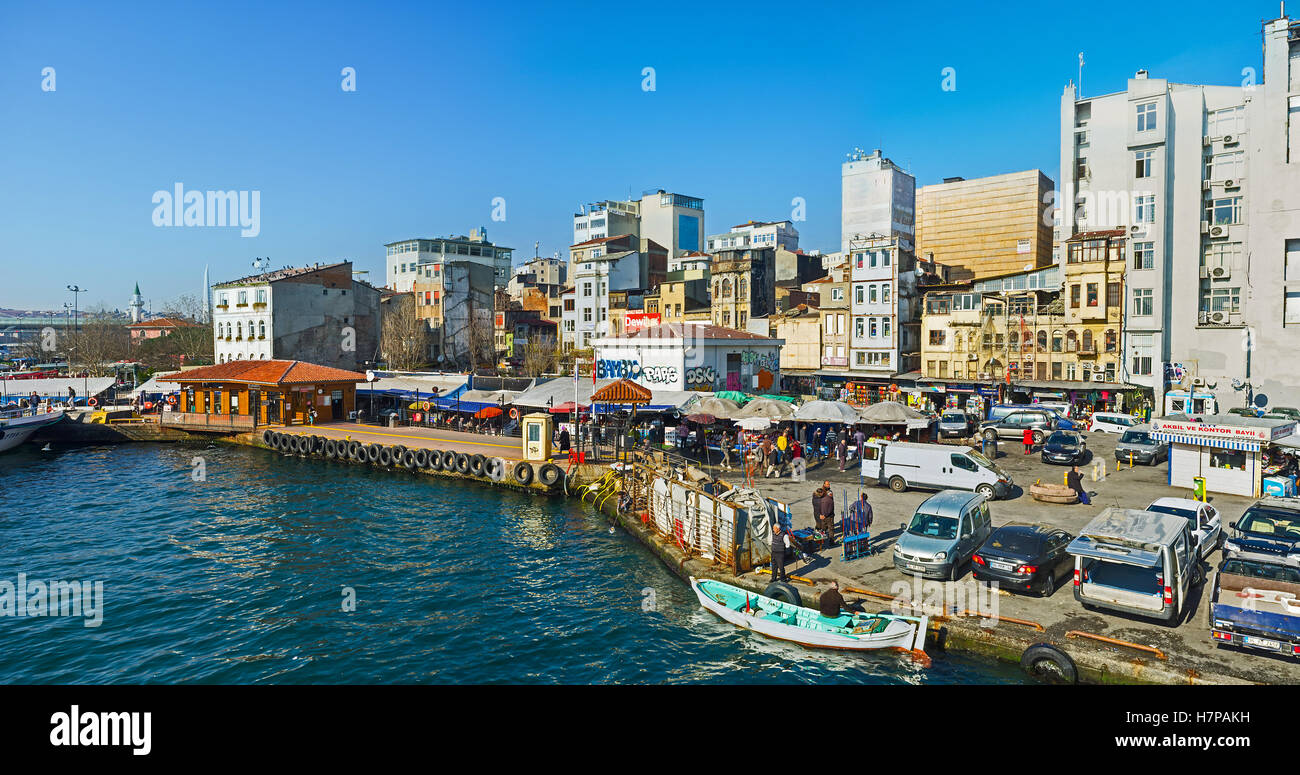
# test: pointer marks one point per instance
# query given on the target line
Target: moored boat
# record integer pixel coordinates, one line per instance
(17, 425)
(805, 626)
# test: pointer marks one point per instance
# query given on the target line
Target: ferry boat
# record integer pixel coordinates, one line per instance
(17, 425)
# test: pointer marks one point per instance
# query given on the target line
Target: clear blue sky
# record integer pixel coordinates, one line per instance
(539, 103)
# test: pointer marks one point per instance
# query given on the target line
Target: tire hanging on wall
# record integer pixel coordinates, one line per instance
(399, 452)
(462, 463)
(408, 460)
(476, 465)
(1050, 664)
(386, 456)
(355, 451)
(331, 449)
(422, 459)
(550, 475)
(372, 453)
(268, 437)
(523, 472)
(435, 460)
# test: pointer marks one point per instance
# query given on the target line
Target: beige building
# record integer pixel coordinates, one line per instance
(801, 329)
(986, 227)
(833, 290)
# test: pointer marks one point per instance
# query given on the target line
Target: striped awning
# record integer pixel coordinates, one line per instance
(1184, 438)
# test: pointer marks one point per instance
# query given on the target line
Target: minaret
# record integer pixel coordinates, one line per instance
(137, 305)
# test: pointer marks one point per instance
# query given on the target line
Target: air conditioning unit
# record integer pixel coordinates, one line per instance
(1218, 231)
(1205, 273)
(1198, 382)
(1230, 183)
(1135, 229)
(1229, 139)
(1205, 227)
(1220, 273)
(1098, 376)
(1218, 317)
(1205, 185)
(972, 357)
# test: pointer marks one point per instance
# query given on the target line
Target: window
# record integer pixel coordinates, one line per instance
(884, 293)
(1226, 166)
(1229, 121)
(1143, 164)
(1224, 211)
(1112, 295)
(1074, 296)
(859, 327)
(1142, 301)
(859, 294)
(1142, 364)
(1112, 340)
(937, 338)
(261, 296)
(1144, 255)
(1225, 254)
(884, 327)
(1092, 294)
(586, 314)
(884, 257)
(837, 294)
(586, 289)
(1146, 117)
(1215, 299)
(1144, 208)
(872, 294)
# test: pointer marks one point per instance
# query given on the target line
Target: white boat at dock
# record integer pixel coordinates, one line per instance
(17, 425)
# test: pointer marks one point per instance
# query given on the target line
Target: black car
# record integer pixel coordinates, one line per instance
(1065, 447)
(1025, 557)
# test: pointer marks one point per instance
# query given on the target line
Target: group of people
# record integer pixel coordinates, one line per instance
(785, 548)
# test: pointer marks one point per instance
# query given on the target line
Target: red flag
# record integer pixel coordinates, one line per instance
(593, 368)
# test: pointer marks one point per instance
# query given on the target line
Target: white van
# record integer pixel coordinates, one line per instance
(1112, 422)
(902, 464)
(1138, 562)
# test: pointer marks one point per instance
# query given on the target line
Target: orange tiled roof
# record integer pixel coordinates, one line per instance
(164, 323)
(624, 391)
(269, 373)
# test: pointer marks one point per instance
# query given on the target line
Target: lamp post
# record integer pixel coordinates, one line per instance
(77, 290)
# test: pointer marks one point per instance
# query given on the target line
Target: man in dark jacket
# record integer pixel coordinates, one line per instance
(1074, 480)
(823, 501)
(832, 602)
(781, 550)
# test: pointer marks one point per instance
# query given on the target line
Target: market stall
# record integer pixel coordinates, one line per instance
(1226, 450)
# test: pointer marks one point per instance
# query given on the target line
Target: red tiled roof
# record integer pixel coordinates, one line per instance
(697, 330)
(164, 323)
(269, 373)
(599, 240)
(624, 391)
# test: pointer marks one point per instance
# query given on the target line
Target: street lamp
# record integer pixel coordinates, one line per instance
(77, 290)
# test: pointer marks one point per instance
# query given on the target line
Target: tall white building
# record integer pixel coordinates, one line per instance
(415, 259)
(876, 198)
(758, 234)
(1206, 179)
(675, 221)
(884, 332)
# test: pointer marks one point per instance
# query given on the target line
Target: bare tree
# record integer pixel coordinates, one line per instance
(404, 340)
(100, 343)
(540, 356)
(480, 340)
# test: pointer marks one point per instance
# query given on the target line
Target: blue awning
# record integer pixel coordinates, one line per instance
(1201, 441)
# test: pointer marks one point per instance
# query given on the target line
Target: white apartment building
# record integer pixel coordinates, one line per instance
(593, 279)
(675, 221)
(770, 234)
(876, 198)
(1206, 179)
(884, 333)
(416, 259)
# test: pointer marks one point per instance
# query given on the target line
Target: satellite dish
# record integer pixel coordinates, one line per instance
(1261, 400)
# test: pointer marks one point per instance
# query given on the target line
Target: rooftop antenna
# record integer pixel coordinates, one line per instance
(1080, 94)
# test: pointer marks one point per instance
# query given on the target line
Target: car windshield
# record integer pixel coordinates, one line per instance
(1066, 439)
(1135, 437)
(1271, 523)
(1262, 570)
(953, 417)
(933, 526)
(1020, 541)
(1187, 514)
(978, 458)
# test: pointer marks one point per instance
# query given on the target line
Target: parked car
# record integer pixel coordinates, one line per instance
(1111, 422)
(1013, 425)
(1136, 444)
(1063, 422)
(1289, 412)
(1024, 557)
(1206, 523)
(904, 464)
(956, 424)
(1137, 562)
(1244, 411)
(947, 528)
(1065, 447)
(1253, 604)
(1270, 525)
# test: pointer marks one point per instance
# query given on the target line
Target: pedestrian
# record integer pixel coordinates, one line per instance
(830, 441)
(782, 444)
(1074, 480)
(780, 551)
(1028, 439)
(72, 397)
(724, 444)
(842, 451)
(311, 415)
(860, 441)
(564, 441)
(861, 513)
(823, 501)
(815, 448)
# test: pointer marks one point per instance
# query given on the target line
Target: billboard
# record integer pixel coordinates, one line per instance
(636, 321)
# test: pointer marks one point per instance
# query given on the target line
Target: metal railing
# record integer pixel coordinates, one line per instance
(195, 420)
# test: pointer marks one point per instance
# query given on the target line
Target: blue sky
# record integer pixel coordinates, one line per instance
(539, 103)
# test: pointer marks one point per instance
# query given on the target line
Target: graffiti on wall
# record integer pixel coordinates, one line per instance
(765, 361)
(659, 375)
(700, 375)
(618, 369)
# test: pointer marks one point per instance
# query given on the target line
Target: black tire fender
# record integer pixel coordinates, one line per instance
(495, 469)
(550, 475)
(786, 593)
(422, 459)
(372, 453)
(355, 451)
(331, 449)
(449, 461)
(435, 460)
(268, 437)
(523, 472)
(409, 460)
(476, 465)
(1049, 663)
(462, 463)
(385, 456)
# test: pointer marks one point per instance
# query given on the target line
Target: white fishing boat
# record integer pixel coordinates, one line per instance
(17, 425)
(777, 619)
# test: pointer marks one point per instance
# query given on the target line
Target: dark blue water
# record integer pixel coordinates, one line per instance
(241, 579)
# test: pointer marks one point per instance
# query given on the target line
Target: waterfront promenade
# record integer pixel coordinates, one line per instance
(505, 447)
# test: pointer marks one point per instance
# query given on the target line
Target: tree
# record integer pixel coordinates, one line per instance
(404, 338)
(540, 356)
(101, 342)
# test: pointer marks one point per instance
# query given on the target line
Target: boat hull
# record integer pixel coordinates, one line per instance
(18, 429)
(904, 633)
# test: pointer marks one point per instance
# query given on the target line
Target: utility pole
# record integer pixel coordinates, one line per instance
(76, 294)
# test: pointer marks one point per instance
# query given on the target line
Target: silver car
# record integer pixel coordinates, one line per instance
(954, 423)
(947, 528)
(1014, 424)
(1136, 444)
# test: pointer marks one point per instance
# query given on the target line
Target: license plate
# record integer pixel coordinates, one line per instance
(1262, 643)
(915, 567)
(1001, 566)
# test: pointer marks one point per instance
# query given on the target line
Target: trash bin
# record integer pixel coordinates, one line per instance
(392, 421)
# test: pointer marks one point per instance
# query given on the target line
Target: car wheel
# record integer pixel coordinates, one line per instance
(1049, 586)
(986, 490)
(897, 483)
(954, 572)
(990, 435)
(1038, 437)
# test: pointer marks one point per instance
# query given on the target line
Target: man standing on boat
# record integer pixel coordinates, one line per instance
(780, 551)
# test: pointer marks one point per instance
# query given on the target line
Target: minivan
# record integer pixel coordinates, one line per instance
(904, 464)
(1137, 562)
(1112, 422)
(947, 528)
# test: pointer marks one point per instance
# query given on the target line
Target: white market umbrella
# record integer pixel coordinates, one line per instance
(766, 407)
(754, 423)
(826, 411)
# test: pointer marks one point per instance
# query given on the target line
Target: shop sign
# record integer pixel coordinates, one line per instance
(1208, 431)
